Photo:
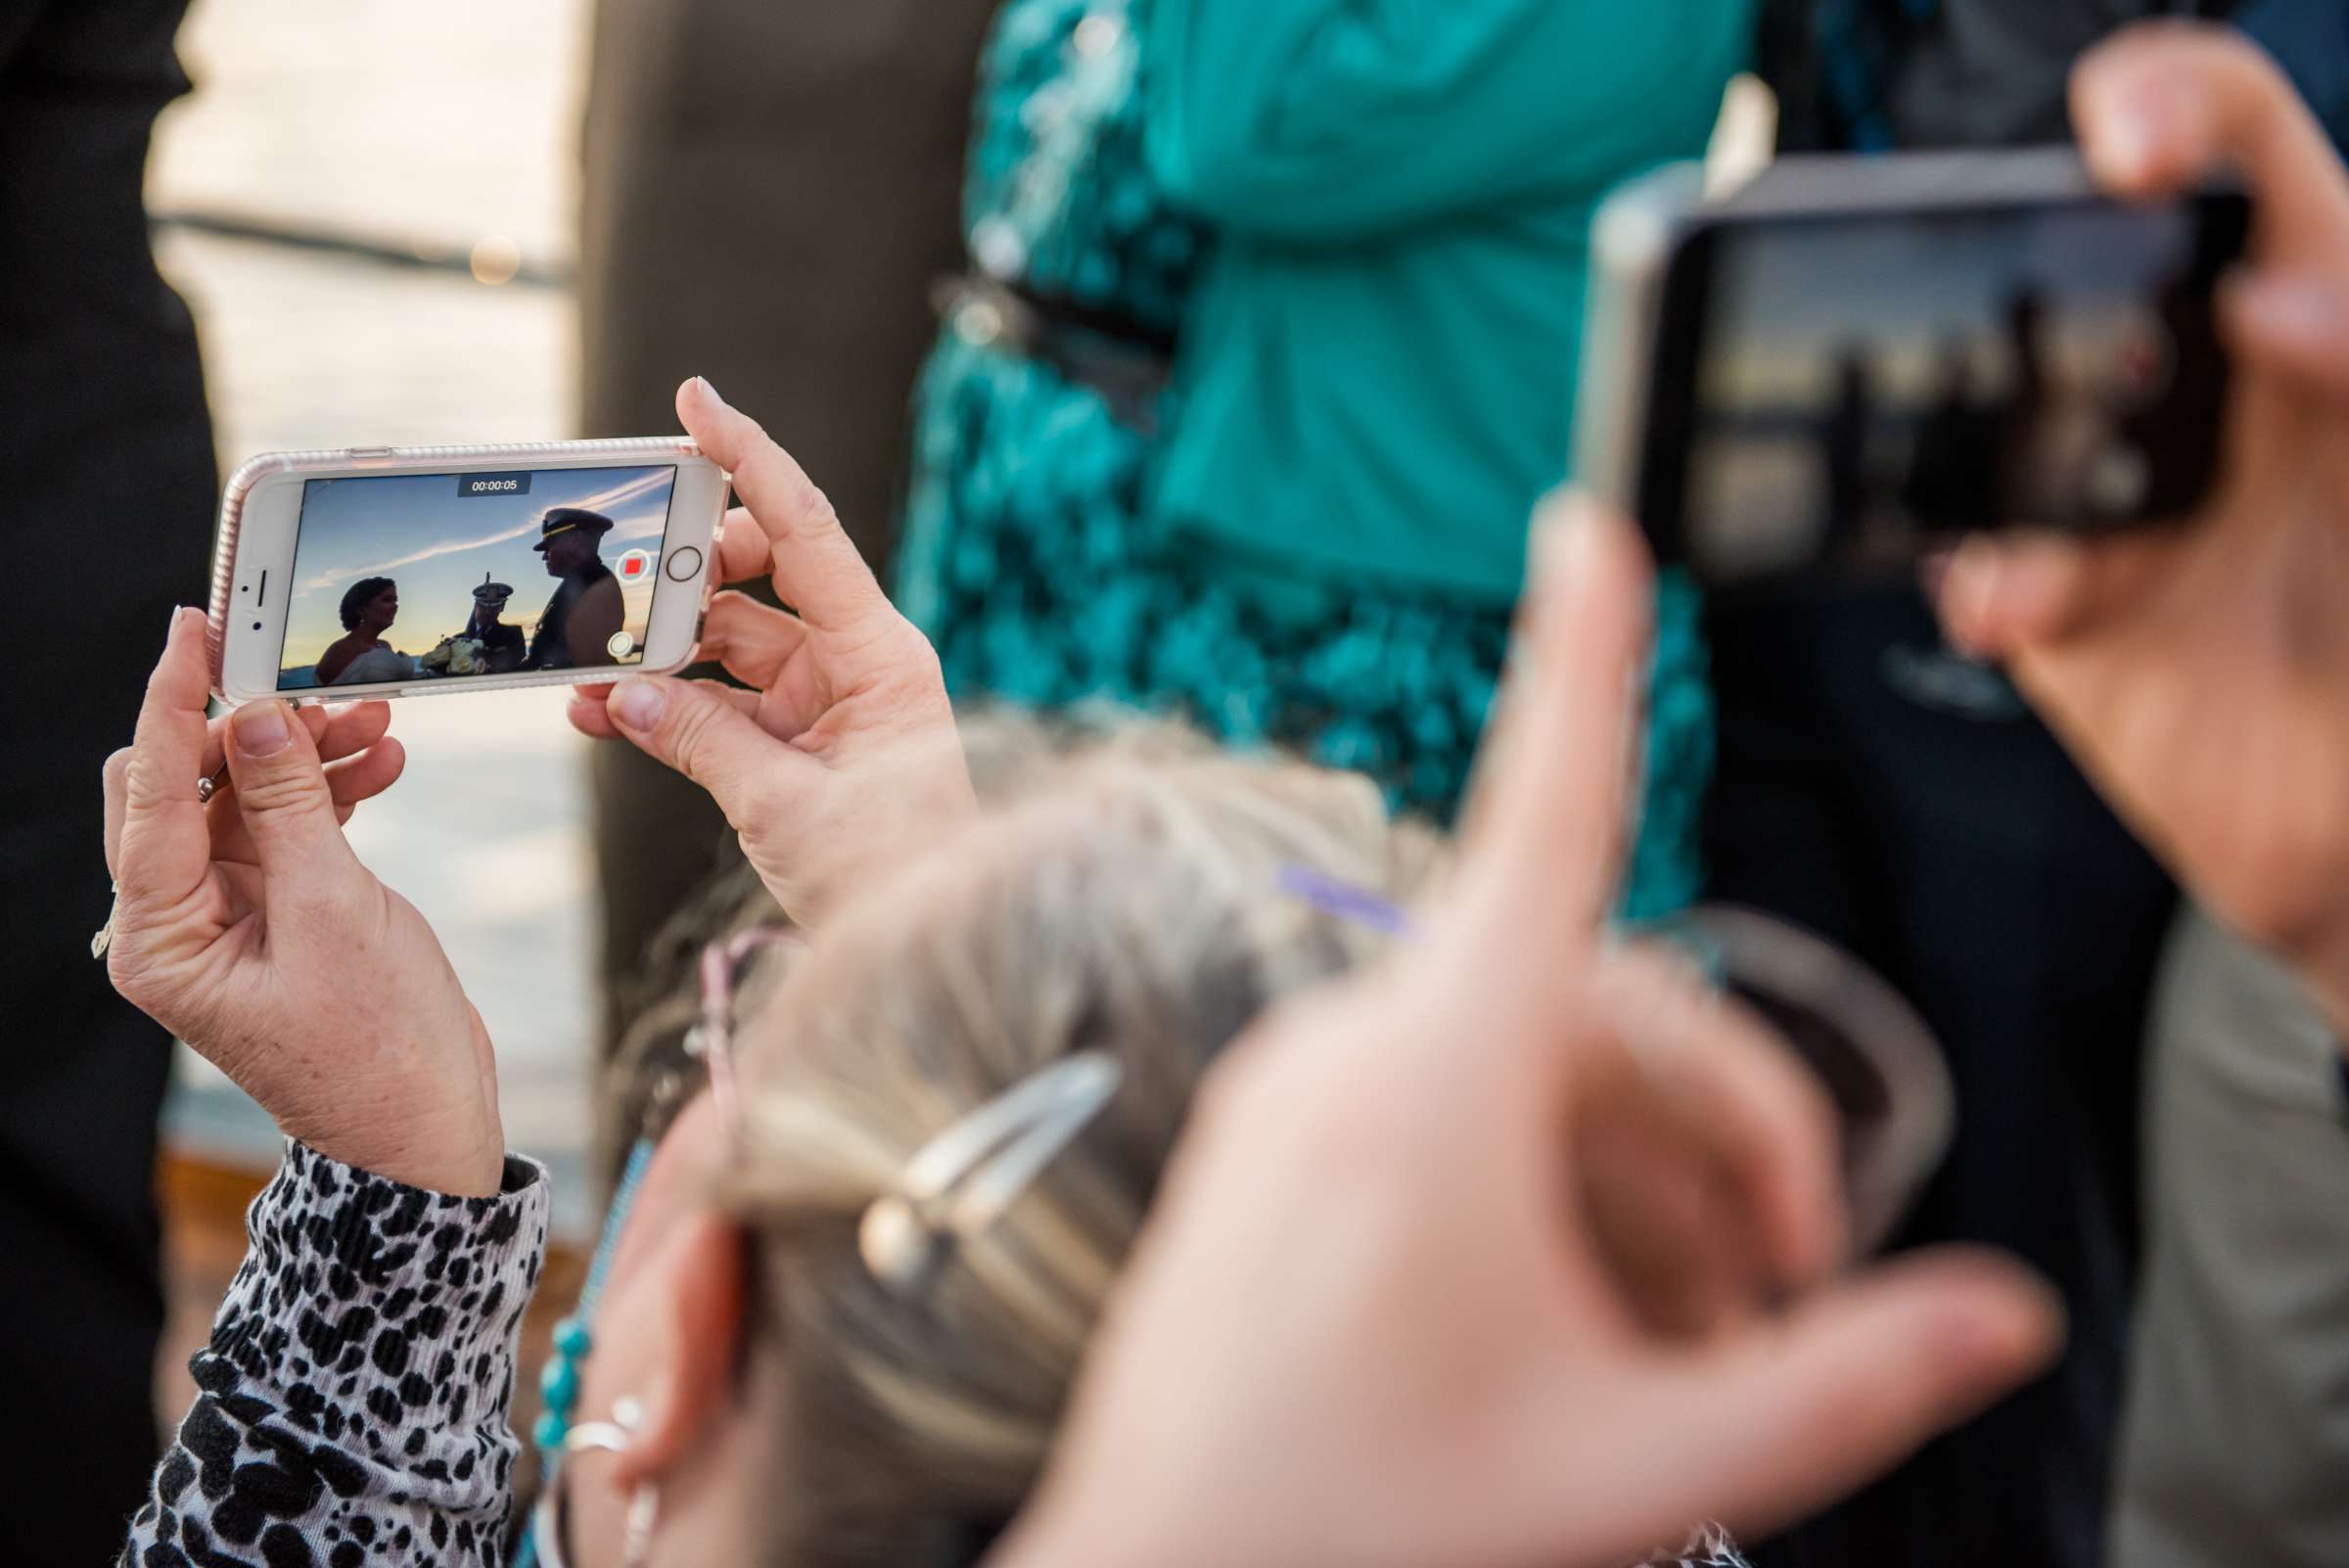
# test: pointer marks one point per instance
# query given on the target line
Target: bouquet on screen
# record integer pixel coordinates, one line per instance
(456, 655)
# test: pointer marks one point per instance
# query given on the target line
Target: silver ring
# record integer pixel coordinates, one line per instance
(104, 936)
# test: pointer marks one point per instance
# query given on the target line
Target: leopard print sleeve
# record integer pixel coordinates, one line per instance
(353, 1397)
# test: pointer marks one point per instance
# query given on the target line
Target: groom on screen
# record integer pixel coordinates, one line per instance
(584, 615)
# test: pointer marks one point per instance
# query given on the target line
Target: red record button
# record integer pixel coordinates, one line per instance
(635, 565)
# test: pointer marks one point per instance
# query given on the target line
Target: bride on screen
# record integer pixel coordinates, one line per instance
(361, 656)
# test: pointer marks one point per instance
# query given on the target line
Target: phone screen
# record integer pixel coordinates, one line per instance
(442, 577)
(1846, 389)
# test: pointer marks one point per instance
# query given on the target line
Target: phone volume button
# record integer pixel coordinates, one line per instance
(371, 452)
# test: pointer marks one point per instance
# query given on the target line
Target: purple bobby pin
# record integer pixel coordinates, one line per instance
(1347, 901)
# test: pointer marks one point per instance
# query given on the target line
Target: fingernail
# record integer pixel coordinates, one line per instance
(708, 391)
(1563, 541)
(2123, 130)
(637, 703)
(262, 728)
(2124, 144)
(173, 630)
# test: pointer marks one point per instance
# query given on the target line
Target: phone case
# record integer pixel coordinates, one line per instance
(1638, 226)
(1631, 237)
(420, 459)
(1640, 229)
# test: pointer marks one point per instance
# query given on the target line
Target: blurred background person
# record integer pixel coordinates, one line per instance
(768, 194)
(1266, 346)
(2235, 1429)
(1900, 800)
(108, 449)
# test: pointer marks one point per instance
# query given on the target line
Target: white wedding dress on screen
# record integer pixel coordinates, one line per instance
(376, 663)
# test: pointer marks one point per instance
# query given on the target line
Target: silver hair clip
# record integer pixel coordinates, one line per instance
(963, 1179)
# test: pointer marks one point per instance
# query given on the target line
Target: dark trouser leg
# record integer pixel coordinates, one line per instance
(1906, 807)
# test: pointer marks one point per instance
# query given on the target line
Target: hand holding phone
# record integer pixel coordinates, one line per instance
(245, 926)
(2201, 673)
(1856, 359)
(397, 572)
(837, 753)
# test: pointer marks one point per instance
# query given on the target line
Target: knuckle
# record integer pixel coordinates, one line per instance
(919, 654)
(326, 907)
(691, 715)
(282, 793)
(812, 509)
(160, 678)
(2238, 52)
(136, 977)
(757, 816)
(124, 972)
(142, 784)
(880, 647)
(2286, 880)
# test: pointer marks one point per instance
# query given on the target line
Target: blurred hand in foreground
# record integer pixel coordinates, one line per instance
(249, 929)
(2202, 674)
(842, 754)
(1371, 1320)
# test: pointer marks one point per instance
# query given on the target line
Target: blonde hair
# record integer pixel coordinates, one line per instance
(1133, 904)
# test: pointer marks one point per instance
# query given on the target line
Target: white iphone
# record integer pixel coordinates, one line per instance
(403, 571)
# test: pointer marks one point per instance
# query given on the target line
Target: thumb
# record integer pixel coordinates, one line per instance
(284, 798)
(2296, 325)
(696, 729)
(1799, 1412)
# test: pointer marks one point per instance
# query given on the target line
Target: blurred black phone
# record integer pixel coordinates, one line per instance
(1854, 359)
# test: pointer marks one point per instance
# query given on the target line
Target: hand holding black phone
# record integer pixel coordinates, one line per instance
(1854, 359)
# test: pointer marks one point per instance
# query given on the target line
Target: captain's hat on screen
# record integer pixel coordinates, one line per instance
(564, 518)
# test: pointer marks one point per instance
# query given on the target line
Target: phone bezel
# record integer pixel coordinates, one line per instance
(1969, 185)
(1670, 412)
(260, 519)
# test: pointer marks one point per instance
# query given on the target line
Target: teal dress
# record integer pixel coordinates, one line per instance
(1308, 532)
